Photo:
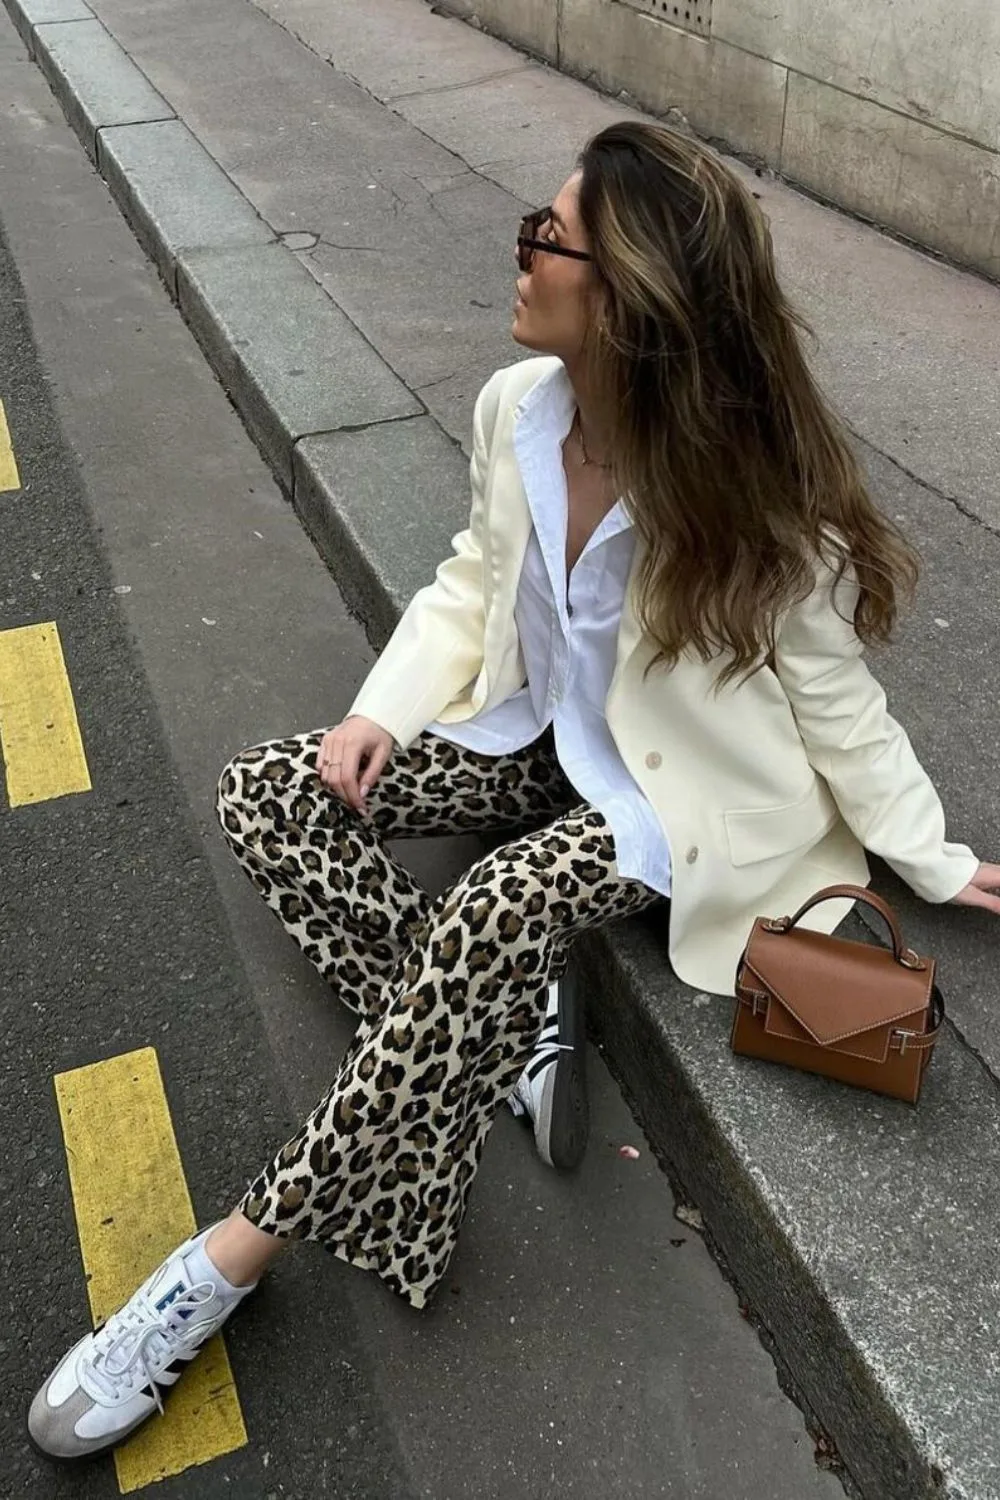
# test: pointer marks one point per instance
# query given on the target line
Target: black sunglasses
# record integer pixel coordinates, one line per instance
(528, 242)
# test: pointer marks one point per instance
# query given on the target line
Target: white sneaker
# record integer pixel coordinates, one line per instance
(551, 1093)
(116, 1377)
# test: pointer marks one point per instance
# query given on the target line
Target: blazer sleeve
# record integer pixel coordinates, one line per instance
(884, 794)
(437, 647)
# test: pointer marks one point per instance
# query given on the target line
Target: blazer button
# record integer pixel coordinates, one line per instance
(654, 760)
(692, 854)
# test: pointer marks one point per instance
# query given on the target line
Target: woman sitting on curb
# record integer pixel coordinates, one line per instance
(643, 661)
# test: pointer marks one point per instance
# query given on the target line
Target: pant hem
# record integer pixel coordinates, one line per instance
(416, 1297)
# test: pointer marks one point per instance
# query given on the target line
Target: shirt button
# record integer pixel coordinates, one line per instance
(654, 760)
(692, 854)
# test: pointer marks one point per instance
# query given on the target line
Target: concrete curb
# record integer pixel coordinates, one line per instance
(341, 482)
(94, 81)
(289, 358)
(797, 1182)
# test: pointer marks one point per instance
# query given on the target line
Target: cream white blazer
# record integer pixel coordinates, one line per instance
(767, 790)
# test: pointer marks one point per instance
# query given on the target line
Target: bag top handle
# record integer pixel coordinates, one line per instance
(904, 956)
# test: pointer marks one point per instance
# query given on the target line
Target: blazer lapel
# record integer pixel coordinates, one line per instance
(508, 527)
(629, 631)
(510, 523)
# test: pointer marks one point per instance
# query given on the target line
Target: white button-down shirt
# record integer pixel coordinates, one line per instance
(568, 630)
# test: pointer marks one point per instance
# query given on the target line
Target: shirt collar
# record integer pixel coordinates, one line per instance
(546, 413)
(550, 403)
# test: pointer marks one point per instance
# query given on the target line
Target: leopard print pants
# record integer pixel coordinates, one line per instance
(450, 992)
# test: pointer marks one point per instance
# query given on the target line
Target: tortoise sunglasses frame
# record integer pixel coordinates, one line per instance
(528, 242)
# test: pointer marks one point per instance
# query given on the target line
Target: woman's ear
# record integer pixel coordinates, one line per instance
(597, 314)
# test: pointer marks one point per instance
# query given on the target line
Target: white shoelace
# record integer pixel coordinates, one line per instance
(548, 1044)
(549, 1049)
(128, 1342)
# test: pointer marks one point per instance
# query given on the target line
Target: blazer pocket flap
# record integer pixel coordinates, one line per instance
(768, 832)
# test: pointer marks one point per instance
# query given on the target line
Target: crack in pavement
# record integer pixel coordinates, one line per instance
(352, 427)
(962, 506)
(454, 88)
(428, 385)
(336, 245)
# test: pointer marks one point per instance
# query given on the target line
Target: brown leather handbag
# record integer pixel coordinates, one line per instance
(851, 1011)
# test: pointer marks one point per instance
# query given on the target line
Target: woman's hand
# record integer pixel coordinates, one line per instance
(351, 759)
(977, 892)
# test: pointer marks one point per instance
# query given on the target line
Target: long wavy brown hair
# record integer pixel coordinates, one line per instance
(736, 473)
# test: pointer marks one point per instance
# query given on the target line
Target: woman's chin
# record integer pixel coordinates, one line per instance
(520, 329)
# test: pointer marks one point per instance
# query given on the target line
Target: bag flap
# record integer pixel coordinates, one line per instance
(834, 989)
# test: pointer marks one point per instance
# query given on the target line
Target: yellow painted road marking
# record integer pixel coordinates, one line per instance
(132, 1208)
(10, 479)
(39, 733)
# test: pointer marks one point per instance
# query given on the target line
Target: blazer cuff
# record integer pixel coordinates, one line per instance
(404, 727)
(405, 716)
(951, 874)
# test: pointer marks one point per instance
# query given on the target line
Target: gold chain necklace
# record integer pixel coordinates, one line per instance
(584, 455)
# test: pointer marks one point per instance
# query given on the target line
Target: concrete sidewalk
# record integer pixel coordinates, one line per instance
(331, 194)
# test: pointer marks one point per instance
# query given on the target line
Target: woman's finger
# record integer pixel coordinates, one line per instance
(973, 896)
(326, 740)
(332, 758)
(323, 757)
(987, 878)
(348, 774)
(377, 761)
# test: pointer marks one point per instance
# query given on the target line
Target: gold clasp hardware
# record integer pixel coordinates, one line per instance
(776, 924)
(911, 960)
(903, 1037)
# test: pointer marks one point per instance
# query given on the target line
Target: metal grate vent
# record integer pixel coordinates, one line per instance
(689, 15)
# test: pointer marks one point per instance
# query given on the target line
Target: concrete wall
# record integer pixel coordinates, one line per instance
(891, 109)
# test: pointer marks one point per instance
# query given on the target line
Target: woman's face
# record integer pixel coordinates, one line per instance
(555, 299)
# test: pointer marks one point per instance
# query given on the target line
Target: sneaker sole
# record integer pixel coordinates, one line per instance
(563, 1125)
